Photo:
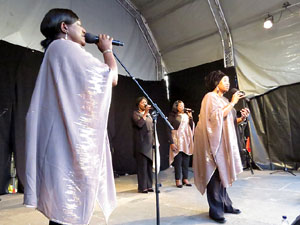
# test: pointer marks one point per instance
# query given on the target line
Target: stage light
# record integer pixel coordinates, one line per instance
(269, 19)
(268, 22)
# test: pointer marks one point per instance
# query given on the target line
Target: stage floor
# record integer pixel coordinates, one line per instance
(262, 198)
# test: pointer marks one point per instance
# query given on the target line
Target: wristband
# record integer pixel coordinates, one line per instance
(107, 51)
(231, 104)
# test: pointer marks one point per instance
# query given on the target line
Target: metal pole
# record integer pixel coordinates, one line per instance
(154, 117)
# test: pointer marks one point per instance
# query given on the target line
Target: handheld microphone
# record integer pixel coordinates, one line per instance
(91, 39)
(186, 110)
(232, 91)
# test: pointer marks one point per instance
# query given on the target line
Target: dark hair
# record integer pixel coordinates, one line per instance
(175, 106)
(50, 26)
(213, 79)
(139, 99)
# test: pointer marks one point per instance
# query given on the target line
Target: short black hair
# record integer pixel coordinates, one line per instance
(213, 79)
(139, 99)
(50, 26)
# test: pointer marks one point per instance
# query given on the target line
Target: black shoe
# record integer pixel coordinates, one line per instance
(143, 191)
(233, 211)
(186, 183)
(219, 220)
(150, 190)
(179, 185)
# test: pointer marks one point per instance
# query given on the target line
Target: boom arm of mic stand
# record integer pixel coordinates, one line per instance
(147, 96)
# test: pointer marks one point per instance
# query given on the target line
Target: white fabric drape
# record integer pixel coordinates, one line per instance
(182, 138)
(68, 159)
(215, 144)
(267, 59)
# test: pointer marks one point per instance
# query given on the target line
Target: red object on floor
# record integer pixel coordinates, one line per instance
(248, 147)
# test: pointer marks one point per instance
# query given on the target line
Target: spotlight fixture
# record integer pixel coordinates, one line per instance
(268, 22)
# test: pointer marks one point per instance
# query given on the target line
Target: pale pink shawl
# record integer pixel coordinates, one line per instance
(182, 138)
(215, 144)
(68, 160)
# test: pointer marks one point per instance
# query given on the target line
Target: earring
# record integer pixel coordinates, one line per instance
(218, 90)
(66, 35)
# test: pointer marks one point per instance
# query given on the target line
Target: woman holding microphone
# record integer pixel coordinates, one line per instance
(181, 142)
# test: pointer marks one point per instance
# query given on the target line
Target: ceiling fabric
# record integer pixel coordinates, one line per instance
(20, 24)
(184, 33)
(267, 59)
(187, 36)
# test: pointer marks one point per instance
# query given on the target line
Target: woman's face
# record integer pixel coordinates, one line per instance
(76, 33)
(180, 107)
(224, 84)
(142, 104)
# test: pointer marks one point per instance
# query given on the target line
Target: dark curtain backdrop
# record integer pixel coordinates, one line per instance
(120, 123)
(274, 123)
(19, 68)
(275, 128)
(188, 85)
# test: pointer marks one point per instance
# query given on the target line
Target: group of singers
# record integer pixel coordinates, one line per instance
(214, 144)
(68, 162)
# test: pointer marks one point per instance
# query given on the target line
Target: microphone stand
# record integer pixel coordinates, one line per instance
(249, 157)
(154, 114)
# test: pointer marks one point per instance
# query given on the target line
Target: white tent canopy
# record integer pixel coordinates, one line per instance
(187, 36)
(20, 24)
(182, 31)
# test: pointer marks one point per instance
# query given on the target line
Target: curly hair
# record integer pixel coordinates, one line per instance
(213, 79)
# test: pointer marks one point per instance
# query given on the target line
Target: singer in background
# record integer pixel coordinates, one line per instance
(216, 160)
(143, 144)
(239, 121)
(68, 161)
(181, 142)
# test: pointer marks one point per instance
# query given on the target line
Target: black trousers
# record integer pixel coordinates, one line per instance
(144, 172)
(217, 197)
(181, 165)
(53, 223)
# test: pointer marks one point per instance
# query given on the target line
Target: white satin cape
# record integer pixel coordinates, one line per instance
(182, 138)
(215, 144)
(68, 159)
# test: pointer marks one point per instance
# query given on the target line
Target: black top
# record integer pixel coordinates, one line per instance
(143, 134)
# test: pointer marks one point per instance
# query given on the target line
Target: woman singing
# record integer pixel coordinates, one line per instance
(216, 160)
(143, 140)
(181, 142)
(68, 161)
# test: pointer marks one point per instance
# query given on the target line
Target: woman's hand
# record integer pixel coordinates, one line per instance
(105, 43)
(189, 113)
(173, 147)
(105, 46)
(236, 97)
(147, 108)
(146, 111)
(245, 113)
